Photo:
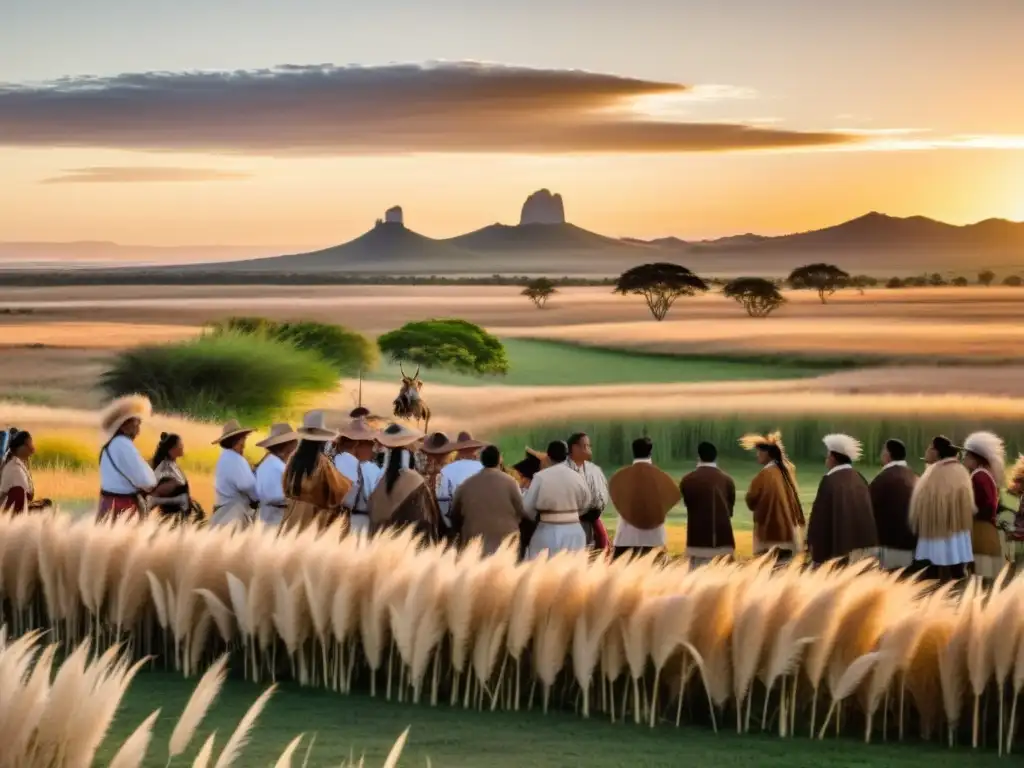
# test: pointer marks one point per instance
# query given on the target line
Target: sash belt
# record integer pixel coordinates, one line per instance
(558, 518)
(109, 495)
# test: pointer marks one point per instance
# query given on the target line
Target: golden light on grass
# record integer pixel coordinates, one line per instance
(398, 619)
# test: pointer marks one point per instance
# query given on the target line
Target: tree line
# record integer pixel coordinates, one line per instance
(661, 284)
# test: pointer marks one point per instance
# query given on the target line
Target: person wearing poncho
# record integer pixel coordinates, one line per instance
(842, 524)
(313, 486)
(643, 496)
(465, 465)
(488, 505)
(773, 499)
(942, 514)
(402, 498)
(710, 498)
(557, 498)
(985, 458)
(891, 491)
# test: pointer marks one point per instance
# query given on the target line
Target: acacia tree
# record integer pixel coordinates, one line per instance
(758, 296)
(539, 290)
(450, 343)
(826, 279)
(986, 277)
(660, 284)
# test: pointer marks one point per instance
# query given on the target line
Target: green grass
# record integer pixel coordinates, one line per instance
(548, 363)
(450, 737)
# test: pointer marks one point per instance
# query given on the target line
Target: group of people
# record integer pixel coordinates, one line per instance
(945, 522)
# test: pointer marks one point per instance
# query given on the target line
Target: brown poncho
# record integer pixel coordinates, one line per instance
(409, 502)
(778, 519)
(319, 498)
(842, 523)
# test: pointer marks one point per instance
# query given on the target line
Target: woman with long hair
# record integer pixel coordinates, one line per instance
(313, 486)
(774, 500)
(402, 497)
(171, 495)
(17, 491)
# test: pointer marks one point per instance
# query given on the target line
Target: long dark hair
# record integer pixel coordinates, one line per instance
(394, 467)
(18, 438)
(302, 464)
(163, 449)
(775, 454)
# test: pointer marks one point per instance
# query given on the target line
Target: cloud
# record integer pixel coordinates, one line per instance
(395, 109)
(116, 174)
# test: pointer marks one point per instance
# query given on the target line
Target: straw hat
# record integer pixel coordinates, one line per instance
(465, 442)
(436, 444)
(279, 434)
(398, 436)
(231, 429)
(121, 410)
(314, 428)
(359, 431)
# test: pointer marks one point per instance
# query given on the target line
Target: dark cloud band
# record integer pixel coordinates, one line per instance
(328, 110)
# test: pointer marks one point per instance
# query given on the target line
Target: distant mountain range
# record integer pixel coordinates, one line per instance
(874, 243)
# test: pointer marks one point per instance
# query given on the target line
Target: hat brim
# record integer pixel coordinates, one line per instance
(271, 442)
(229, 435)
(316, 434)
(467, 445)
(438, 450)
(403, 439)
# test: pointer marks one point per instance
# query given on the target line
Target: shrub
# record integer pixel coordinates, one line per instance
(1013, 281)
(348, 351)
(960, 281)
(248, 377)
(894, 282)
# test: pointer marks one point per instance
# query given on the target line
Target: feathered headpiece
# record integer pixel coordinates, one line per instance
(751, 441)
(121, 410)
(991, 448)
(844, 445)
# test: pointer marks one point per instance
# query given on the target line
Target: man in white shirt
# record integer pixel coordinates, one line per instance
(355, 461)
(556, 498)
(579, 460)
(125, 477)
(280, 445)
(465, 465)
(234, 484)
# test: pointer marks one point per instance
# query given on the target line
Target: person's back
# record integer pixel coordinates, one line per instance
(488, 505)
(709, 495)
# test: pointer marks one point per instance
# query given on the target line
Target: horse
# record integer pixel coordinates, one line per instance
(410, 404)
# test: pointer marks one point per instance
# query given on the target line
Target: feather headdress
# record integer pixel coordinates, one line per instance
(751, 441)
(843, 445)
(121, 410)
(991, 448)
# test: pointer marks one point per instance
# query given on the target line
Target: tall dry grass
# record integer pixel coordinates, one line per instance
(43, 723)
(788, 650)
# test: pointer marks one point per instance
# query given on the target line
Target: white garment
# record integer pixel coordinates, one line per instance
(358, 498)
(838, 468)
(557, 491)
(628, 536)
(234, 488)
(135, 474)
(952, 550)
(894, 464)
(270, 489)
(556, 538)
(450, 478)
(596, 483)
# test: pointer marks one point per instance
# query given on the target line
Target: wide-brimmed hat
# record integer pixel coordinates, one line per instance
(436, 444)
(314, 428)
(465, 442)
(358, 430)
(279, 434)
(123, 409)
(398, 436)
(231, 429)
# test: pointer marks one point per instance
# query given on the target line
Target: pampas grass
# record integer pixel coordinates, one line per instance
(638, 639)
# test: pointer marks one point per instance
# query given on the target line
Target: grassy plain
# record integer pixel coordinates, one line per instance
(346, 726)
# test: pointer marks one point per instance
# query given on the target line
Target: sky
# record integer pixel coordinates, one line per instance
(258, 122)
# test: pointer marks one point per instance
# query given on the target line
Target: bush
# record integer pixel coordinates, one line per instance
(894, 282)
(960, 281)
(348, 351)
(1013, 281)
(451, 344)
(227, 375)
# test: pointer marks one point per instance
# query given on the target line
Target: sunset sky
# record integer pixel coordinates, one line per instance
(298, 123)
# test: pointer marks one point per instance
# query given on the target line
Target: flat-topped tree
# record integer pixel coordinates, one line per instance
(826, 279)
(539, 290)
(660, 284)
(758, 296)
(448, 343)
(985, 277)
